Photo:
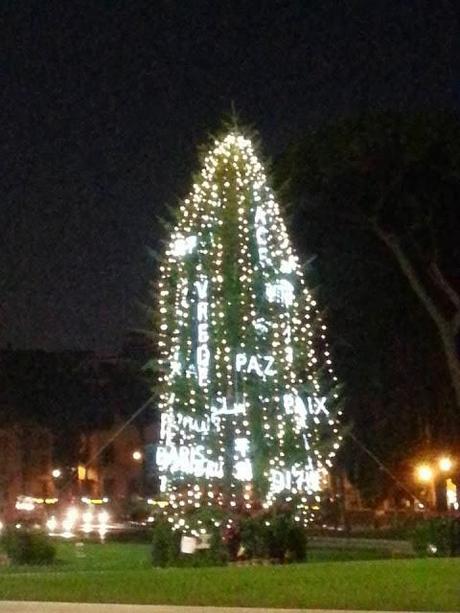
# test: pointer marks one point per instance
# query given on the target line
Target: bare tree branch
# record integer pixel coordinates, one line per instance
(456, 323)
(443, 284)
(447, 328)
(411, 275)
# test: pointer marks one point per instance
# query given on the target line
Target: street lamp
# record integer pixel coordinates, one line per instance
(424, 473)
(445, 464)
(438, 487)
(137, 456)
(56, 473)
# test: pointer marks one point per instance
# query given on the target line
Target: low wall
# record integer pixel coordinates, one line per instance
(332, 542)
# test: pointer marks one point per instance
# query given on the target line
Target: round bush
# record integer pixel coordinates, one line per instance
(28, 546)
(439, 536)
(165, 545)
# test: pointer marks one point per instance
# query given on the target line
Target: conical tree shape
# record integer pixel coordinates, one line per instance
(247, 388)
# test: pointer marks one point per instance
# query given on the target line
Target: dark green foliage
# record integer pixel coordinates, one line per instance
(218, 553)
(254, 537)
(439, 536)
(166, 548)
(276, 536)
(165, 545)
(270, 536)
(287, 539)
(28, 546)
(296, 543)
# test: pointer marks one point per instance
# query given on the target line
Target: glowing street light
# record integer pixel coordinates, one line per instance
(436, 484)
(52, 524)
(56, 473)
(137, 456)
(445, 464)
(424, 473)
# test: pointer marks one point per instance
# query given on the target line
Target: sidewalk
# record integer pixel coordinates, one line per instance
(70, 607)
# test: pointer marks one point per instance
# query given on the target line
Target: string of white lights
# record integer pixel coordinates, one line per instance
(240, 338)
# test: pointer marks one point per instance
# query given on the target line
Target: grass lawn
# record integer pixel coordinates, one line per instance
(122, 573)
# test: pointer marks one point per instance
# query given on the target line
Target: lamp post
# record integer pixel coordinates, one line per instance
(56, 475)
(433, 476)
(424, 474)
(445, 470)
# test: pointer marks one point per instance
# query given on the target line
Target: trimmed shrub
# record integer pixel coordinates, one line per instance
(296, 543)
(287, 539)
(166, 548)
(275, 536)
(255, 537)
(165, 545)
(28, 546)
(272, 536)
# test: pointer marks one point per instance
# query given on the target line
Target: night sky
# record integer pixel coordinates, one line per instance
(104, 104)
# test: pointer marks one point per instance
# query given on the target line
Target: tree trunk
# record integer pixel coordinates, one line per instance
(447, 328)
(450, 351)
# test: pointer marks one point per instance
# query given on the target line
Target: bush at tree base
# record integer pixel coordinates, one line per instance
(276, 536)
(28, 546)
(165, 545)
(270, 536)
(166, 548)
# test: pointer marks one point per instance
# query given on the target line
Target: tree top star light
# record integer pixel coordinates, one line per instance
(247, 393)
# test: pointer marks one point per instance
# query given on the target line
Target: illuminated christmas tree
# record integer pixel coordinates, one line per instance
(247, 394)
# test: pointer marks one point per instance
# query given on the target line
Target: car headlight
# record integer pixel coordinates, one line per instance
(103, 517)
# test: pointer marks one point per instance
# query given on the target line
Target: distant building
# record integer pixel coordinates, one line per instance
(26, 465)
(118, 471)
(59, 409)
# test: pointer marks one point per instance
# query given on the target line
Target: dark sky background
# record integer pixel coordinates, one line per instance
(105, 102)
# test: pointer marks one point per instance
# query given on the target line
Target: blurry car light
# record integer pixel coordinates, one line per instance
(87, 517)
(51, 500)
(25, 503)
(72, 514)
(103, 518)
(52, 524)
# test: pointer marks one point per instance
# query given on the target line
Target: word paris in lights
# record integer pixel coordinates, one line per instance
(247, 390)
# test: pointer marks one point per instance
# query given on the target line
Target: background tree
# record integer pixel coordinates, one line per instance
(376, 198)
(396, 177)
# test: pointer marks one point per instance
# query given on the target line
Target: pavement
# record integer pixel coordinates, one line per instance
(70, 607)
